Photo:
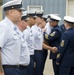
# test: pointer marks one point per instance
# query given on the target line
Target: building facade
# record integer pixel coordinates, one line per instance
(60, 7)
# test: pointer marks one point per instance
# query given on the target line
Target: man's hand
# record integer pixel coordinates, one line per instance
(57, 63)
(44, 29)
(54, 49)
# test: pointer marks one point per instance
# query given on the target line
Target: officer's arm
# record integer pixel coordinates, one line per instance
(52, 36)
(53, 49)
(47, 47)
(62, 48)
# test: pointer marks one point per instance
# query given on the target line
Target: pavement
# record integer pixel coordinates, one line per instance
(48, 66)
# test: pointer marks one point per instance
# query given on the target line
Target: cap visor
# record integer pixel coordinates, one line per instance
(34, 16)
(48, 19)
(21, 9)
(27, 19)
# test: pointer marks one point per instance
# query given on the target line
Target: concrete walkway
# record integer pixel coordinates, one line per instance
(48, 66)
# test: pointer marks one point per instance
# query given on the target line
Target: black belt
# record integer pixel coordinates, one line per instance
(38, 50)
(10, 66)
(32, 56)
(21, 66)
(13, 66)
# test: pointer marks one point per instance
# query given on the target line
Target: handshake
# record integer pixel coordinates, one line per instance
(54, 49)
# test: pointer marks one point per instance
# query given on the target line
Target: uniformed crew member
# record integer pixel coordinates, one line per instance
(10, 42)
(65, 54)
(37, 32)
(24, 53)
(63, 28)
(30, 40)
(54, 39)
(44, 52)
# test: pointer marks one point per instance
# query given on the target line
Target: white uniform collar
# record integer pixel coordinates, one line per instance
(20, 32)
(28, 27)
(10, 23)
(37, 27)
(40, 29)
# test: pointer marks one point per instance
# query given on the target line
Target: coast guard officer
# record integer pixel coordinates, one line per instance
(30, 40)
(54, 39)
(44, 52)
(38, 43)
(10, 43)
(24, 53)
(38, 37)
(65, 54)
(44, 27)
(63, 28)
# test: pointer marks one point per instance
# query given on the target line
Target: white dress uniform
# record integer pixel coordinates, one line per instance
(24, 53)
(10, 43)
(30, 39)
(38, 34)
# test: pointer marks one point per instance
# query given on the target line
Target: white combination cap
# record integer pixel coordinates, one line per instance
(24, 13)
(32, 13)
(14, 4)
(69, 19)
(45, 17)
(54, 17)
(39, 13)
(24, 16)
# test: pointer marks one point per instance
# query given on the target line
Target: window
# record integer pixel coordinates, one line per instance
(34, 7)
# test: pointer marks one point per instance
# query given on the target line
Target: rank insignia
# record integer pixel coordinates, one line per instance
(62, 43)
(58, 55)
(46, 36)
(52, 34)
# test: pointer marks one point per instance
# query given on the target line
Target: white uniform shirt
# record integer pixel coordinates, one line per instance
(10, 43)
(30, 39)
(37, 32)
(24, 53)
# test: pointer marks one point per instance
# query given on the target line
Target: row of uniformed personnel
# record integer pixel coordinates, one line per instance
(22, 44)
(17, 45)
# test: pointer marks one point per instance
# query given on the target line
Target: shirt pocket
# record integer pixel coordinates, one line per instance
(23, 44)
(15, 37)
(39, 36)
(31, 37)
